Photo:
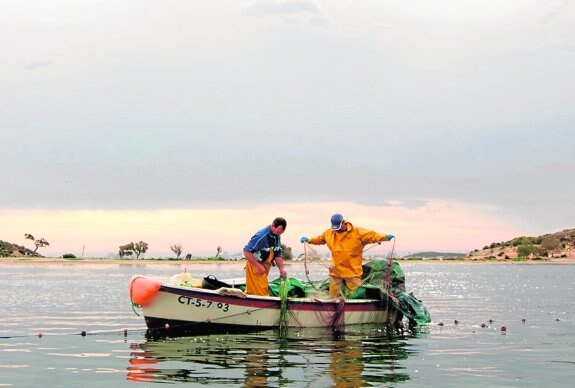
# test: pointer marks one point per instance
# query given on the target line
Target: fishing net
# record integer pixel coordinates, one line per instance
(382, 280)
(385, 273)
(316, 267)
(387, 278)
(284, 316)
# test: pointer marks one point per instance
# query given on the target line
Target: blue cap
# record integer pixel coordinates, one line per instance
(336, 221)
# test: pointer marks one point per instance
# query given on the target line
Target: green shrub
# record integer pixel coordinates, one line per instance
(525, 250)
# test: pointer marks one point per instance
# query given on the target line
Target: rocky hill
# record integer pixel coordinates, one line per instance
(8, 249)
(554, 245)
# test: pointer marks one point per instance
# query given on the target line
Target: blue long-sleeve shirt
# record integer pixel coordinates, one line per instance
(262, 243)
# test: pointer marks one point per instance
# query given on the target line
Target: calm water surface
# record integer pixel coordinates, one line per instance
(62, 300)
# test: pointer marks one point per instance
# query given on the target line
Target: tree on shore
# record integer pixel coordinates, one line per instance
(126, 250)
(40, 243)
(219, 251)
(551, 244)
(140, 248)
(177, 249)
(133, 248)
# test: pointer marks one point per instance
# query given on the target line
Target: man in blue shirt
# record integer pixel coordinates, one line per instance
(263, 248)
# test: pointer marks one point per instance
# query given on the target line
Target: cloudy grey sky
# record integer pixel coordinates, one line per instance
(205, 104)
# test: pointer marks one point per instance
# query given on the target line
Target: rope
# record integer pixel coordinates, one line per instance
(83, 333)
(389, 267)
(305, 263)
(130, 288)
(387, 281)
(337, 320)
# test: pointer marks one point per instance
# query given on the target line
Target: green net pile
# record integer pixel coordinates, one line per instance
(381, 280)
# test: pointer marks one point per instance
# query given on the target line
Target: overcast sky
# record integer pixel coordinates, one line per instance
(390, 112)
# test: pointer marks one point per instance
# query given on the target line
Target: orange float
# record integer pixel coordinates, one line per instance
(143, 290)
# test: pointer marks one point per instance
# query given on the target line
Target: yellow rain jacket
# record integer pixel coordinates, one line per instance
(347, 248)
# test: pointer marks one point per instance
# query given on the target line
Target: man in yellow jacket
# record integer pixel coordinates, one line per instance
(346, 243)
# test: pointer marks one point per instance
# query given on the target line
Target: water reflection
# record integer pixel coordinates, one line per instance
(304, 357)
(347, 364)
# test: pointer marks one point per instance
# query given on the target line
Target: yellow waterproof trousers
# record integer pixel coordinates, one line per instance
(336, 284)
(257, 284)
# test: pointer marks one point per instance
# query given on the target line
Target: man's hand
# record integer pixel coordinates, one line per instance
(283, 273)
(303, 239)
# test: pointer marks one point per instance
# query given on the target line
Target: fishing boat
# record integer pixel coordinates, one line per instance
(182, 307)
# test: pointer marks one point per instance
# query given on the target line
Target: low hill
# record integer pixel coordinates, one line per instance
(433, 255)
(8, 249)
(554, 245)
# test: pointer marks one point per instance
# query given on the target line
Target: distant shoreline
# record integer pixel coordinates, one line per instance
(53, 260)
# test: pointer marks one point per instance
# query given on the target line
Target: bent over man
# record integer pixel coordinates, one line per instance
(263, 248)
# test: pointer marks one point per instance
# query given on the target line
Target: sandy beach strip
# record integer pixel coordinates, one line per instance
(241, 263)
